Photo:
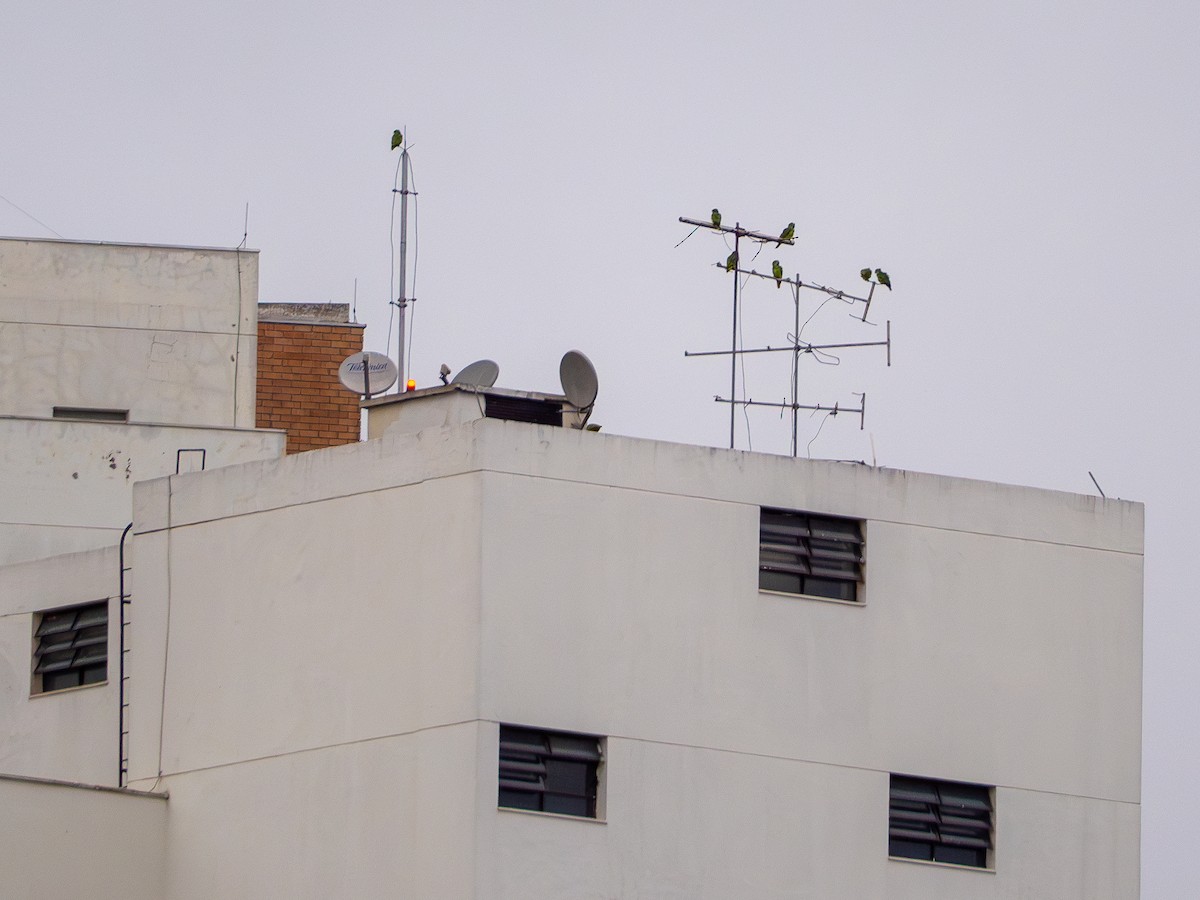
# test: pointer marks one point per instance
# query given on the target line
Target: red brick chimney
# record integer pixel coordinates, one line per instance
(300, 346)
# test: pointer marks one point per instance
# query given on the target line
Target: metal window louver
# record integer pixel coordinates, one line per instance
(548, 771)
(72, 647)
(939, 821)
(523, 409)
(801, 553)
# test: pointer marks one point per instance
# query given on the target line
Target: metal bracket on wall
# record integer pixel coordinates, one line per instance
(192, 467)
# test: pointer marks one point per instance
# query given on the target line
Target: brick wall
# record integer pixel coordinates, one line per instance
(298, 387)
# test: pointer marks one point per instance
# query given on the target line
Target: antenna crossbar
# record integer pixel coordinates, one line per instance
(738, 231)
(836, 293)
(800, 347)
(832, 410)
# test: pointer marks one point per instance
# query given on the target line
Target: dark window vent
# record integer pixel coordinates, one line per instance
(940, 821)
(89, 414)
(71, 647)
(549, 771)
(800, 553)
(523, 409)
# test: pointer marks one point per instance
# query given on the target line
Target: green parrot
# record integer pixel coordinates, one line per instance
(777, 271)
(787, 234)
(397, 139)
(731, 263)
(882, 277)
(865, 273)
(716, 218)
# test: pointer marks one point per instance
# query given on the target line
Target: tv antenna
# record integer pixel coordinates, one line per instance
(402, 301)
(795, 345)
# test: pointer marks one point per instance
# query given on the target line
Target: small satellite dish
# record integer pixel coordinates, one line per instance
(367, 373)
(578, 377)
(481, 373)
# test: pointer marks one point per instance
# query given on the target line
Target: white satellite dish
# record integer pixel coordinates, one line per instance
(367, 373)
(481, 373)
(578, 377)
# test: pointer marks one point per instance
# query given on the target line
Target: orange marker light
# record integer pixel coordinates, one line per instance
(412, 385)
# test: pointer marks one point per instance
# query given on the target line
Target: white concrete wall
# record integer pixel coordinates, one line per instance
(416, 411)
(71, 734)
(353, 620)
(320, 678)
(686, 822)
(752, 734)
(318, 624)
(390, 817)
(60, 840)
(168, 333)
(68, 486)
(975, 658)
(447, 405)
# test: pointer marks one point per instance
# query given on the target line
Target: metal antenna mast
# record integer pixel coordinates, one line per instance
(402, 300)
(738, 233)
(795, 346)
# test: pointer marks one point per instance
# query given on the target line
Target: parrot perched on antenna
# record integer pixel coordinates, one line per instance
(731, 263)
(883, 279)
(397, 139)
(787, 234)
(716, 218)
(865, 273)
(777, 271)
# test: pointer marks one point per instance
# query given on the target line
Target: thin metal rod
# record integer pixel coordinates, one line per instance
(402, 300)
(122, 722)
(867, 308)
(804, 348)
(733, 355)
(809, 285)
(836, 408)
(738, 231)
(795, 367)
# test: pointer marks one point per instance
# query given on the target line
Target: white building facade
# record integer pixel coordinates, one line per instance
(496, 659)
(120, 362)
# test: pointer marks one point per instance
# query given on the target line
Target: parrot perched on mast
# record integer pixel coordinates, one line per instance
(716, 217)
(777, 272)
(731, 263)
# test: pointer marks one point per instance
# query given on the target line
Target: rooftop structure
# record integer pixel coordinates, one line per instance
(488, 654)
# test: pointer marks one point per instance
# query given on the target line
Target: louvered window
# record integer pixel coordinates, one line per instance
(940, 821)
(523, 409)
(548, 771)
(71, 647)
(799, 553)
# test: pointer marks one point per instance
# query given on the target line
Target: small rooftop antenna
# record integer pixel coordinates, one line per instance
(401, 302)
(796, 346)
(245, 228)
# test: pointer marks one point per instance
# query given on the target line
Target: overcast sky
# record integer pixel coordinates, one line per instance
(1027, 172)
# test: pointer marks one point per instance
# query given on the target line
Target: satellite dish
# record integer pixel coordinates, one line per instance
(367, 373)
(578, 377)
(481, 373)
